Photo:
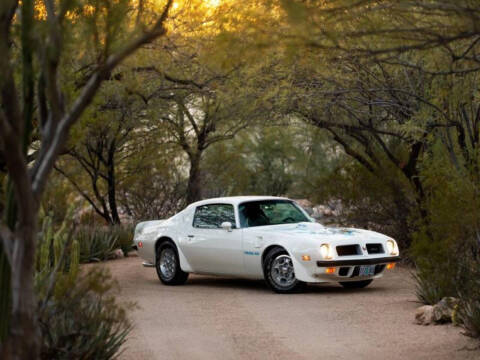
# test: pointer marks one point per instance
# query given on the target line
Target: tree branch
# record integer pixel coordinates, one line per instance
(50, 151)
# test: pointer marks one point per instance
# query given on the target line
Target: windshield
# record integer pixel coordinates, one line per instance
(270, 212)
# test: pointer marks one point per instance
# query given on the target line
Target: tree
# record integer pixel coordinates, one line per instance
(107, 142)
(121, 162)
(384, 30)
(198, 103)
(386, 95)
(54, 116)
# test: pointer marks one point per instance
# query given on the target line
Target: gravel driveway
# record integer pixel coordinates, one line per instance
(225, 318)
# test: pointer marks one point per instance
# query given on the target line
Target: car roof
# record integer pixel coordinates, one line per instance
(235, 200)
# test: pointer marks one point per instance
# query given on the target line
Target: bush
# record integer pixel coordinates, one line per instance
(96, 244)
(468, 289)
(447, 248)
(78, 315)
(124, 237)
(453, 270)
(429, 290)
(469, 314)
(82, 319)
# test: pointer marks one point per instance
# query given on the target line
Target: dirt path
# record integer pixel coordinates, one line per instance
(223, 318)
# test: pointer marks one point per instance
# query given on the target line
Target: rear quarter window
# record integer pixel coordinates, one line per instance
(211, 216)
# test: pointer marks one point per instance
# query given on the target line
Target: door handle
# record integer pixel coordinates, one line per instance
(191, 236)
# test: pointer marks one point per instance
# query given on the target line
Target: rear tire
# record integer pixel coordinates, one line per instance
(168, 265)
(279, 274)
(356, 284)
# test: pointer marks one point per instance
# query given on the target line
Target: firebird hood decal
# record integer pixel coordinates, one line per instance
(315, 230)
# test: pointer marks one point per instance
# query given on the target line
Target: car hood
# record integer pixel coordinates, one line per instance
(315, 231)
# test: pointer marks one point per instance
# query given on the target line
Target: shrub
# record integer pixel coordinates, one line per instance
(78, 315)
(447, 248)
(96, 244)
(469, 314)
(468, 288)
(427, 290)
(82, 319)
(124, 237)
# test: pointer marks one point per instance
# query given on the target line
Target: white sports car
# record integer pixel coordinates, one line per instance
(262, 237)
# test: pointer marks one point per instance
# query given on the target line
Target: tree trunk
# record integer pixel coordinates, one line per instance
(5, 273)
(24, 340)
(5, 267)
(112, 201)
(194, 180)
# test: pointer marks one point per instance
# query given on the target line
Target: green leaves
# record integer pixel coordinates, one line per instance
(84, 320)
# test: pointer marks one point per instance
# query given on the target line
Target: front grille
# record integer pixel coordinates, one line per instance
(343, 271)
(346, 250)
(375, 249)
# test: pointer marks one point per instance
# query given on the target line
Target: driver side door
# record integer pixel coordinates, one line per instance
(211, 249)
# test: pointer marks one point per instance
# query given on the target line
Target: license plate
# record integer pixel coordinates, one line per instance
(367, 270)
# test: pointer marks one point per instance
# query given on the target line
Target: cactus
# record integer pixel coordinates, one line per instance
(74, 259)
(52, 246)
(44, 244)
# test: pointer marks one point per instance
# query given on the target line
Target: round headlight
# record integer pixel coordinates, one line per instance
(325, 251)
(392, 247)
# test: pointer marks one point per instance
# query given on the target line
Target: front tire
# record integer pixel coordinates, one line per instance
(168, 265)
(356, 284)
(279, 273)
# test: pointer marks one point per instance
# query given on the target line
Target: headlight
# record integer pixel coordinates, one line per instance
(326, 251)
(392, 247)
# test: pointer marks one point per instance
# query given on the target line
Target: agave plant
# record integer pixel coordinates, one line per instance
(95, 244)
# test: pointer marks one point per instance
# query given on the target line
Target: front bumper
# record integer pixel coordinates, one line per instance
(344, 269)
(353, 262)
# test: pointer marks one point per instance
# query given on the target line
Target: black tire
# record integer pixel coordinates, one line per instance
(174, 274)
(356, 284)
(293, 285)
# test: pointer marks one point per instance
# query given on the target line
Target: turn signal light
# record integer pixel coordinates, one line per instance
(140, 244)
(306, 257)
(330, 270)
(390, 266)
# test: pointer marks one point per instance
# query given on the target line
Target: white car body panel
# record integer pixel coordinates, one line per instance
(239, 252)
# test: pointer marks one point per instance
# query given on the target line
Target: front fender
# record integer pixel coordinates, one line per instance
(303, 269)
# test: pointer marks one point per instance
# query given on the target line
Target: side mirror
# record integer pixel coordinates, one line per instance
(226, 225)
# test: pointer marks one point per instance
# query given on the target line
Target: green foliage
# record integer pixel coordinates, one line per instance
(96, 244)
(124, 237)
(469, 289)
(447, 248)
(258, 163)
(269, 160)
(56, 249)
(470, 314)
(78, 315)
(82, 320)
(382, 201)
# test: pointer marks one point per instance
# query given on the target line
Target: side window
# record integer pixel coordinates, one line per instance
(213, 215)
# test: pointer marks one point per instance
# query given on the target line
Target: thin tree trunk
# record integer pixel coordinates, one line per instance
(112, 201)
(5, 268)
(5, 300)
(24, 341)
(7, 281)
(194, 179)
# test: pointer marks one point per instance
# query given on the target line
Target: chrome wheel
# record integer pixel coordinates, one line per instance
(168, 263)
(282, 272)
